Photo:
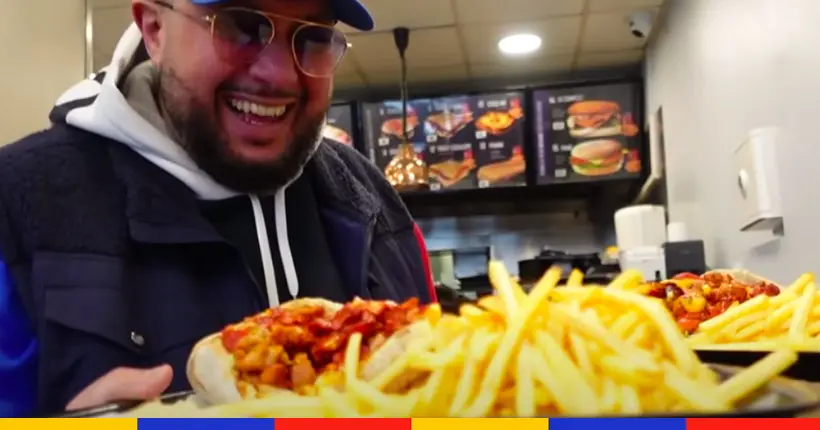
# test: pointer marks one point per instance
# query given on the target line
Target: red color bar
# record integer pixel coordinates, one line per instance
(344, 423)
(753, 423)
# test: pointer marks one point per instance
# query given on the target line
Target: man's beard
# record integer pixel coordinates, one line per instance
(195, 129)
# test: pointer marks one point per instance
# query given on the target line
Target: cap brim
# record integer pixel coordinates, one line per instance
(350, 12)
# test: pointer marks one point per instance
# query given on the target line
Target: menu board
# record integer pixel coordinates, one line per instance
(587, 133)
(339, 126)
(382, 124)
(466, 141)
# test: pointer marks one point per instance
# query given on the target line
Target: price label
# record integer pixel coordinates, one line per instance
(480, 134)
(559, 126)
(435, 186)
(432, 138)
(560, 173)
(384, 141)
(483, 184)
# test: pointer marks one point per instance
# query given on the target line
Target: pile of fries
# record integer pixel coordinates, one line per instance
(788, 320)
(571, 350)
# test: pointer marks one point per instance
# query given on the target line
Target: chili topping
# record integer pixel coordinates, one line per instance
(288, 348)
(693, 299)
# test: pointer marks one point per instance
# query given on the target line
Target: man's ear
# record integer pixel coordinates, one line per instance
(148, 20)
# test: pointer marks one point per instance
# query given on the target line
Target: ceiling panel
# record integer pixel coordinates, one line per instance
(596, 6)
(457, 40)
(559, 35)
(411, 14)
(495, 11)
(594, 60)
(427, 49)
(534, 67)
(349, 80)
(609, 32)
(421, 75)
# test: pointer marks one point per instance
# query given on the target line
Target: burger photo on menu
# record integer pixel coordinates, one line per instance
(597, 157)
(336, 134)
(452, 171)
(594, 118)
(503, 170)
(447, 124)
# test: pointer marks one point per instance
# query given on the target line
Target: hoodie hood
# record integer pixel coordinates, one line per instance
(98, 105)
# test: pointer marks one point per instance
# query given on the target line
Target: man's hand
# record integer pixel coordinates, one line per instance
(124, 383)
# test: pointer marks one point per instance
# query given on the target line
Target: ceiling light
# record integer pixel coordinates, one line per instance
(519, 44)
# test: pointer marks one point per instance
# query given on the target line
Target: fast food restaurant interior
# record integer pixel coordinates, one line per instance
(658, 136)
(698, 79)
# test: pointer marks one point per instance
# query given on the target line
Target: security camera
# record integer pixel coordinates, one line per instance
(640, 24)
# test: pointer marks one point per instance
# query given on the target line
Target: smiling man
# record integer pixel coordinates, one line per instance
(183, 188)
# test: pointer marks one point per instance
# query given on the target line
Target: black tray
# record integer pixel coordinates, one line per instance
(807, 367)
(120, 407)
(783, 398)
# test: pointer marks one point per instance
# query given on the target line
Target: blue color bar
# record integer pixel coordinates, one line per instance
(617, 424)
(205, 424)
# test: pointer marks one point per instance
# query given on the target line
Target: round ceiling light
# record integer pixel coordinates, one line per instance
(519, 44)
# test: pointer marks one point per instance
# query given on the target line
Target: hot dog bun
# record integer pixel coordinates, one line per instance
(745, 276)
(210, 367)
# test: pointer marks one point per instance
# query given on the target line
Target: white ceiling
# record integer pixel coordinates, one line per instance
(456, 40)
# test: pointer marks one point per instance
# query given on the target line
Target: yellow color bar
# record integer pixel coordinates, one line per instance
(69, 424)
(480, 423)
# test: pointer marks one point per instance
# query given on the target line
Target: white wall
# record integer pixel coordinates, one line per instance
(42, 53)
(720, 68)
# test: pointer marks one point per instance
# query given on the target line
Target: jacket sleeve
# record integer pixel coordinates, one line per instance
(18, 352)
(425, 260)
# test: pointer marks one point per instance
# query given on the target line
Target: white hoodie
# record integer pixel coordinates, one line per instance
(135, 121)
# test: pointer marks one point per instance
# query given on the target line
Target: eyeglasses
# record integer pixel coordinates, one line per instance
(240, 35)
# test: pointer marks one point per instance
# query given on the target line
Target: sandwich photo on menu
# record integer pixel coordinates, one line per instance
(336, 134)
(392, 126)
(450, 172)
(495, 122)
(504, 170)
(594, 118)
(597, 157)
(448, 124)
(498, 122)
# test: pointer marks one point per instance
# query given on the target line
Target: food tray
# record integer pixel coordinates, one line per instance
(807, 367)
(781, 398)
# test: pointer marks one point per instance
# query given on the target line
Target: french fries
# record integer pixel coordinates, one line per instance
(790, 320)
(571, 350)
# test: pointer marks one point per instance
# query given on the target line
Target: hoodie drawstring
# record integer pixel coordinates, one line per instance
(280, 212)
(281, 225)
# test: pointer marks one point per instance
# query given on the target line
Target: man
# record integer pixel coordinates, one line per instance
(175, 195)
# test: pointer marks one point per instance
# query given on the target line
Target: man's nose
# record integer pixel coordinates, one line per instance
(276, 65)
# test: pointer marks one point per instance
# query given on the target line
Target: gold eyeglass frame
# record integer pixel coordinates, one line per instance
(210, 21)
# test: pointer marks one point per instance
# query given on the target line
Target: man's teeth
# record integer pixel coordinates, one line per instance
(257, 109)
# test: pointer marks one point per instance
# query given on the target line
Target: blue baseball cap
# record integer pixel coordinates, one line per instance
(350, 12)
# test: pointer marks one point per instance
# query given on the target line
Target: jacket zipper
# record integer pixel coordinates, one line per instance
(260, 293)
(368, 242)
